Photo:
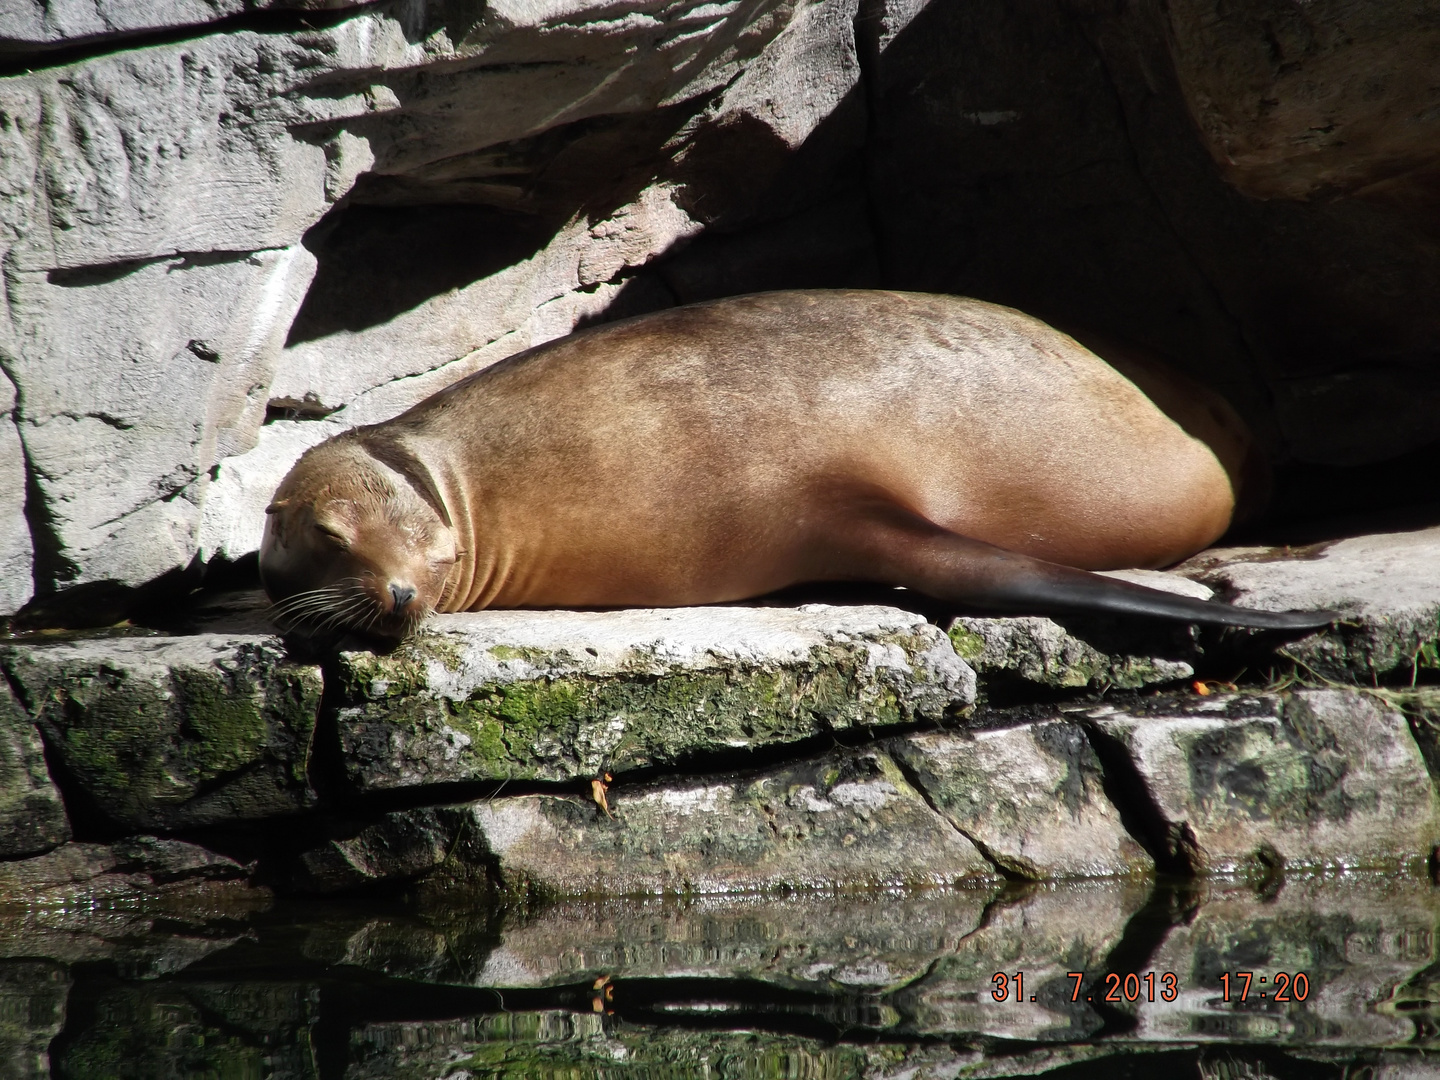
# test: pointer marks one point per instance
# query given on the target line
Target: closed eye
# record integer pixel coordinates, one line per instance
(332, 536)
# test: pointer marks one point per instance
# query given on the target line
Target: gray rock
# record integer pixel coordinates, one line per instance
(845, 821)
(1313, 778)
(1294, 105)
(17, 575)
(32, 815)
(1039, 651)
(139, 870)
(173, 732)
(564, 695)
(121, 467)
(27, 25)
(1029, 797)
(1385, 586)
(232, 521)
(400, 845)
(32, 1013)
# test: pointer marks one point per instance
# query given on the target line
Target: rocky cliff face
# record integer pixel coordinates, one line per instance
(229, 228)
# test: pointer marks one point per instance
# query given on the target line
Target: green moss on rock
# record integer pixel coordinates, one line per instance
(515, 710)
(184, 732)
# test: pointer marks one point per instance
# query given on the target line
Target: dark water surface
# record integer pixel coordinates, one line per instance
(1327, 977)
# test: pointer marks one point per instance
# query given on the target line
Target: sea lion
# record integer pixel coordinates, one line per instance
(727, 449)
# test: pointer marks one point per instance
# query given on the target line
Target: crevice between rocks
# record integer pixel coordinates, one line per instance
(867, 28)
(1010, 869)
(1173, 849)
(51, 568)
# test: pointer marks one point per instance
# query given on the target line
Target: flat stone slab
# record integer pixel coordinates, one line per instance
(1310, 778)
(32, 815)
(1031, 798)
(552, 695)
(173, 732)
(847, 820)
(1386, 585)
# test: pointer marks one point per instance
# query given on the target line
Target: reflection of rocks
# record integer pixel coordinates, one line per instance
(170, 732)
(32, 1013)
(1355, 940)
(844, 821)
(861, 941)
(560, 695)
(196, 1028)
(139, 940)
(1042, 936)
(129, 871)
(585, 1047)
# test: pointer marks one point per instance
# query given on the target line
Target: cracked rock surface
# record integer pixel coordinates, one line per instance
(557, 696)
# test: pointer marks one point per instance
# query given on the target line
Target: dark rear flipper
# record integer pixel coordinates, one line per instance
(956, 569)
(1078, 590)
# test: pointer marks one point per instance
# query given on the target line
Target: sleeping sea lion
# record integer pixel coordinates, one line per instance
(727, 449)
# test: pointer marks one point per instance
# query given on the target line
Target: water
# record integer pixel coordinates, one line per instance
(806, 986)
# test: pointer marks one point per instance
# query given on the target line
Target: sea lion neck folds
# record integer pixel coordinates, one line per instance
(728, 449)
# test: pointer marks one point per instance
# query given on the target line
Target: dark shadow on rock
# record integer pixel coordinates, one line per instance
(376, 262)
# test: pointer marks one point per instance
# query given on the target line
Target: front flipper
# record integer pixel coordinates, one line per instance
(922, 556)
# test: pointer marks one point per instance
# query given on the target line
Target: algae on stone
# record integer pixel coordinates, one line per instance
(1041, 652)
(1312, 778)
(174, 732)
(1031, 797)
(564, 695)
(32, 815)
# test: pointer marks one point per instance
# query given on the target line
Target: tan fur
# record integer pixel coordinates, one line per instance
(724, 450)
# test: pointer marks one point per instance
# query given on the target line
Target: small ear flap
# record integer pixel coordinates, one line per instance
(276, 506)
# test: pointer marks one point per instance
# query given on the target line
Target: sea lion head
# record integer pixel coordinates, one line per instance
(357, 538)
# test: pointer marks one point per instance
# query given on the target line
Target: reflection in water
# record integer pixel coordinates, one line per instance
(1324, 977)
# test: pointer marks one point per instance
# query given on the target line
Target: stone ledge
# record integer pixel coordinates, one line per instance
(551, 695)
(166, 733)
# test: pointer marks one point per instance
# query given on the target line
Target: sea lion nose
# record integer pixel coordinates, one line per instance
(402, 595)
